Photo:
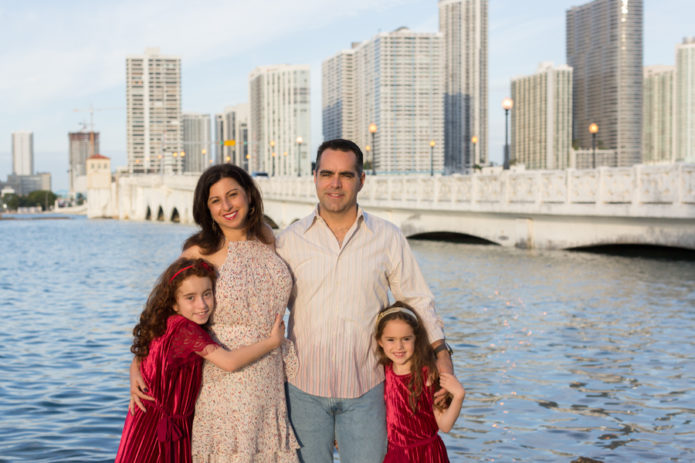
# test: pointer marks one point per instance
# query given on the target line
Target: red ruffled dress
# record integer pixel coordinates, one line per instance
(412, 437)
(173, 373)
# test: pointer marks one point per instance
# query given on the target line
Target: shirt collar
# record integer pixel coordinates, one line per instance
(312, 218)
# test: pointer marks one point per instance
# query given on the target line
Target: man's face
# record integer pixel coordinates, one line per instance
(337, 181)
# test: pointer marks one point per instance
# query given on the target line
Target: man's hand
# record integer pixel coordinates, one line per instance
(138, 388)
(444, 365)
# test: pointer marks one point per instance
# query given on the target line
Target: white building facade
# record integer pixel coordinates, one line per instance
(279, 120)
(23, 153)
(81, 145)
(658, 129)
(197, 143)
(541, 119)
(685, 100)
(153, 111)
(464, 24)
(394, 80)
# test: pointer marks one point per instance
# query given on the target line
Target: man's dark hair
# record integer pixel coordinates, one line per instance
(340, 144)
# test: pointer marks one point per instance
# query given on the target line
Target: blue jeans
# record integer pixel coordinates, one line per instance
(359, 426)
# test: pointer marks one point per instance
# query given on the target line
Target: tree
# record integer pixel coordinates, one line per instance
(43, 198)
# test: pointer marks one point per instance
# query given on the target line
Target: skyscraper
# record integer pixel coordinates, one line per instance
(197, 144)
(464, 25)
(657, 125)
(542, 118)
(279, 113)
(685, 100)
(23, 153)
(338, 99)
(82, 145)
(394, 80)
(604, 48)
(234, 125)
(153, 111)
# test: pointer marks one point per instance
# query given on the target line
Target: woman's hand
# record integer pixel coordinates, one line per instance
(138, 388)
(277, 332)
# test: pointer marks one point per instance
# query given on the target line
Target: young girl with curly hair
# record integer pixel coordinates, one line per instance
(171, 342)
(412, 417)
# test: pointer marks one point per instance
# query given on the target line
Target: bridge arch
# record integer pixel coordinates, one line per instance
(160, 214)
(452, 237)
(639, 250)
(175, 217)
(148, 214)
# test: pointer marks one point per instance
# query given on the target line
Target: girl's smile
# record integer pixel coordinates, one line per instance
(195, 299)
(398, 342)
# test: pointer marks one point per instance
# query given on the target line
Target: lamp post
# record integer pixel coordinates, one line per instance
(300, 140)
(593, 130)
(372, 129)
(432, 144)
(272, 154)
(474, 140)
(507, 104)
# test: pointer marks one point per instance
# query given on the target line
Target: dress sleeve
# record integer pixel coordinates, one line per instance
(189, 338)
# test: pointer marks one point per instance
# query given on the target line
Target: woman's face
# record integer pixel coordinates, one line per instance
(229, 206)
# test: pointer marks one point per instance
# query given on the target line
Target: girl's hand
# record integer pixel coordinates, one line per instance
(277, 332)
(450, 383)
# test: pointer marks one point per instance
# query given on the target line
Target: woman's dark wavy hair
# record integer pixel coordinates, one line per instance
(210, 237)
(423, 355)
(160, 303)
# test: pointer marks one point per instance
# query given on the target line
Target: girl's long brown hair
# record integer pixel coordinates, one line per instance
(210, 238)
(423, 355)
(160, 303)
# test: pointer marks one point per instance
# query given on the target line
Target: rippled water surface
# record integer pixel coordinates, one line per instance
(562, 354)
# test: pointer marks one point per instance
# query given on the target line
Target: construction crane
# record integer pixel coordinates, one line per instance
(91, 110)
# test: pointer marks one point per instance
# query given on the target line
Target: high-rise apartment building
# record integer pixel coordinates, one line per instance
(604, 49)
(197, 143)
(541, 122)
(233, 135)
(153, 111)
(685, 100)
(464, 26)
(81, 146)
(23, 153)
(394, 80)
(338, 99)
(279, 116)
(658, 129)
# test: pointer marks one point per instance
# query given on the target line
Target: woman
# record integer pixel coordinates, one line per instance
(240, 416)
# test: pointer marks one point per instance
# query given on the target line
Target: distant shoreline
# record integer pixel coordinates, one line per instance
(52, 217)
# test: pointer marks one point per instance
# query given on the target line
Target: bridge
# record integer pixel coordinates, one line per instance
(639, 205)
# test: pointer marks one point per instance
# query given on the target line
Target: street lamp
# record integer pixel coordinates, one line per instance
(474, 140)
(272, 153)
(432, 144)
(593, 130)
(372, 129)
(300, 140)
(507, 104)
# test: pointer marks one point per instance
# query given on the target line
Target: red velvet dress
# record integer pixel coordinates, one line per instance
(412, 437)
(173, 373)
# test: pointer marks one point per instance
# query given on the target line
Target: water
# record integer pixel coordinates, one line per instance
(562, 354)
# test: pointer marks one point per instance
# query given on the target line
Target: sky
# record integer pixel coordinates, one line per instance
(58, 59)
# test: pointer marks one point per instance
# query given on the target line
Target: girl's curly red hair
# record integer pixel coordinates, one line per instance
(160, 303)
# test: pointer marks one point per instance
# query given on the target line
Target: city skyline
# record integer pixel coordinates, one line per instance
(217, 63)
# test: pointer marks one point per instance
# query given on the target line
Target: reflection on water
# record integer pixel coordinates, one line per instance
(562, 354)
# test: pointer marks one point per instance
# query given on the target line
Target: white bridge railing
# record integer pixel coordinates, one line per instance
(642, 190)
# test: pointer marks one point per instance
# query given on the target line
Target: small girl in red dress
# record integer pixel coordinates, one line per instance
(171, 343)
(412, 418)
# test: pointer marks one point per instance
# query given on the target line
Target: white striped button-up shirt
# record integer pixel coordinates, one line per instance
(337, 295)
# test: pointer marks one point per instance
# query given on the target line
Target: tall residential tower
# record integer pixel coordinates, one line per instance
(23, 153)
(542, 118)
(685, 100)
(153, 111)
(657, 126)
(279, 119)
(604, 48)
(464, 26)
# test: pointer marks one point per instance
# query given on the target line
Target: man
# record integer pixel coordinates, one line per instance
(344, 262)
